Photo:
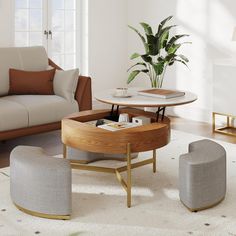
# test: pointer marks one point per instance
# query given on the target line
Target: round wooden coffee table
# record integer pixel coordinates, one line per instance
(78, 134)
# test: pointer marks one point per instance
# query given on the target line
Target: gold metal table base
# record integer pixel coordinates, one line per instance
(127, 184)
(228, 129)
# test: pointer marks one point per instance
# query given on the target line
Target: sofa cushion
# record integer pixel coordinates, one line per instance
(65, 83)
(9, 58)
(33, 58)
(43, 109)
(26, 58)
(31, 82)
(12, 115)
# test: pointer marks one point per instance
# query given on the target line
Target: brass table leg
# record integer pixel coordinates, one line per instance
(213, 122)
(128, 175)
(154, 160)
(64, 151)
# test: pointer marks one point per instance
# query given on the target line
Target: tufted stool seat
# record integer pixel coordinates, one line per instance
(40, 185)
(202, 175)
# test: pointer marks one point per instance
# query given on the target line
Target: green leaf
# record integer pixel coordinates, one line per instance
(145, 71)
(76, 234)
(164, 30)
(137, 64)
(152, 45)
(141, 36)
(159, 67)
(147, 28)
(183, 62)
(151, 39)
(132, 75)
(186, 43)
(170, 57)
(183, 58)
(174, 39)
(177, 60)
(161, 25)
(173, 48)
(164, 39)
(161, 58)
(147, 58)
(135, 55)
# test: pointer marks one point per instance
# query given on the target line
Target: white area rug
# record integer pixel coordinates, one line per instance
(99, 203)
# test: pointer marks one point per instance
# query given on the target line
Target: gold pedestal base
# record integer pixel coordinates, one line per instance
(229, 129)
(42, 215)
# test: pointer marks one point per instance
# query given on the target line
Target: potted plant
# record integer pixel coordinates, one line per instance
(160, 52)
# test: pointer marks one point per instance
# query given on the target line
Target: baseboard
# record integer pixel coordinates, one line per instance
(191, 113)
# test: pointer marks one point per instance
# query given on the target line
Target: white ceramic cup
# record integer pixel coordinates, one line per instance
(124, 117)
(121, 92)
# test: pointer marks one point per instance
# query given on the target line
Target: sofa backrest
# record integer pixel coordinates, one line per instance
(22, 58)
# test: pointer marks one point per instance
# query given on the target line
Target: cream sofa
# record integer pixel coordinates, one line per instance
(28, 114)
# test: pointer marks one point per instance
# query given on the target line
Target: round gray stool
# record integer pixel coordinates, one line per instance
(40, 185)
(202, 175)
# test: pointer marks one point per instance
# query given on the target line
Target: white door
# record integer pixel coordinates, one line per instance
(51, 23)
(62, 32)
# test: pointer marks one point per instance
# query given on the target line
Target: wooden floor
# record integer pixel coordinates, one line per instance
(51, 141)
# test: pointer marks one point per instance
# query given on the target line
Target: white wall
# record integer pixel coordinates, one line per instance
(210, 24)
(107, 43)
(6, 23)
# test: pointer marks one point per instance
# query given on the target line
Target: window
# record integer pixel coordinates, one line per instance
(28, 22)
(51, 23)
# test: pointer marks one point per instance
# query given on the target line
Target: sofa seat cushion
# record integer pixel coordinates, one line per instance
(44, 109)
(12, 115)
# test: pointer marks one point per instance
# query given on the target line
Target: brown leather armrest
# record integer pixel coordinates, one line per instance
(83, 94)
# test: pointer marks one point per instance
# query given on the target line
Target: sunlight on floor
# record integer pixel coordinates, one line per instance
(172, 194)
(110, 190)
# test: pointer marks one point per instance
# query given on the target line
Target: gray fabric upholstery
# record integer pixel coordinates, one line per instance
(40, 183)
(13, 115)
(202, 174)
(43, 109)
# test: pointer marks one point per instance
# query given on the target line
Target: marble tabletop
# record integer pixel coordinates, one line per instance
(137, 100)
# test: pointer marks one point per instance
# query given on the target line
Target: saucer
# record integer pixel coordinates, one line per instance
(122, 96)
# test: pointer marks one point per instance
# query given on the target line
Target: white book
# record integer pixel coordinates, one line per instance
(161, 93)
(115, 126)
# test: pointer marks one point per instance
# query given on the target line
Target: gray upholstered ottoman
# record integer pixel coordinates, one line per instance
(40, 185)
(202, 175)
